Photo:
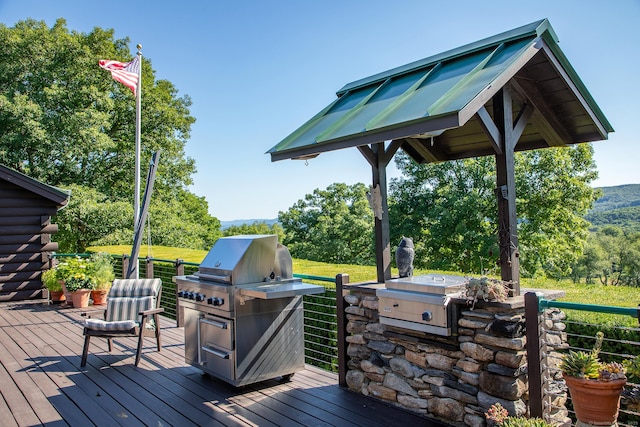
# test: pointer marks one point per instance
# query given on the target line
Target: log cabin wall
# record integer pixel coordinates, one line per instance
(26, 208)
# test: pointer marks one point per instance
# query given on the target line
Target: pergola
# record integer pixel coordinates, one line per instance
(511, 92)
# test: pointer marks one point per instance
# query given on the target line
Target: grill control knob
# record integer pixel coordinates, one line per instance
(218, 301)
(427, 316)
(181, 294)
(210, 300)
(199, 297)
(191, 295)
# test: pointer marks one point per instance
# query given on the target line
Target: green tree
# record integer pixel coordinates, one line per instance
(90, 217)
(592, 263)
(63, 120)
(610, 239)
(450, 210)
(66, 122)
(621, 256)
(258, 227)
(333, 225)
(445, 209)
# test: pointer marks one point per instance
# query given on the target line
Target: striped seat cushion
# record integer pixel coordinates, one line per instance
(135, 288)
(101, 325)
(127, 308)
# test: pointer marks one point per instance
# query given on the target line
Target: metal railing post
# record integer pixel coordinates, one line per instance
(341, 279)
(532, 323)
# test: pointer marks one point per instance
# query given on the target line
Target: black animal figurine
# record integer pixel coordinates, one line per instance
(404, 257)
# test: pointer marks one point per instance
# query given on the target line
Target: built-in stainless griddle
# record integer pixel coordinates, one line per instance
(421, 303)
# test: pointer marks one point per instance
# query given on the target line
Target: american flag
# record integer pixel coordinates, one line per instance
(123, 72)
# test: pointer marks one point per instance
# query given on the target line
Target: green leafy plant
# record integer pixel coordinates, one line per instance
(100, 270)
(587, 364)
(79, 281)
(500, 416)
(75, 273)
(632, 366)
(51, 281)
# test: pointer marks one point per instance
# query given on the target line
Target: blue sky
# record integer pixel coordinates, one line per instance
(256, 70)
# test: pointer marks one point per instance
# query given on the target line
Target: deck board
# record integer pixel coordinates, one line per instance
(42, 384)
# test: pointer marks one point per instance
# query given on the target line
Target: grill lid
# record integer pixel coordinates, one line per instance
(238, 260)
(440, 284)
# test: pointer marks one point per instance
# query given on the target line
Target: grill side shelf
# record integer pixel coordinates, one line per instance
(279, 290)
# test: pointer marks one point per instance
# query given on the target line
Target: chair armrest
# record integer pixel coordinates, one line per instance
(90, 314)
(151, 311)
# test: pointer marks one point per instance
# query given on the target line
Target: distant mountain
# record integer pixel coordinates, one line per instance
(619, 206)
(237, 222)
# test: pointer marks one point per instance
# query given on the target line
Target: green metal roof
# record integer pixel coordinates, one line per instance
(426, 104)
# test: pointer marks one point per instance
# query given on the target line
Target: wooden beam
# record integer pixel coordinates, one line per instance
(490, 128)
(567, 79)
(521, 121)
(545, 119)
(420, 146)
(368, 154)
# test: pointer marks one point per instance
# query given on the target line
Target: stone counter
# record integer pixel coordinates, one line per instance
(455, 379)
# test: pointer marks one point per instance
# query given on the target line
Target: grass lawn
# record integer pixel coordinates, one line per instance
(621, 296)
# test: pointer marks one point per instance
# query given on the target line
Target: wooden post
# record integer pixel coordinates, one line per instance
(379, 157)
(148, 272)
(125, 265)
(532, 323)
(506, 192)
(341, 280)
(383, 245)
(179, 266)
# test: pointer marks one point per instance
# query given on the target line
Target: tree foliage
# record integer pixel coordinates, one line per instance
(612, 255)
(333, 225)
(450, 210)
(258, 227)
(66, 122)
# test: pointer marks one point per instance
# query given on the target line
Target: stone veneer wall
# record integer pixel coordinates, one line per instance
(455, 379)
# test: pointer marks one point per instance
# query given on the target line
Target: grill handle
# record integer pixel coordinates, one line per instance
(221, 325)
(215, 352)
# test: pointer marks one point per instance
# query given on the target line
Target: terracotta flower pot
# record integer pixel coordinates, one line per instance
(595, 402)
(99, 297)
(65, 291)
(57, 296)
(80, 298)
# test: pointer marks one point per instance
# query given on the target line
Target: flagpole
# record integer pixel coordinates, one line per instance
(136, 202)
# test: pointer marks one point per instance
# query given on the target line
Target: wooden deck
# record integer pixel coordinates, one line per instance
(41, 383)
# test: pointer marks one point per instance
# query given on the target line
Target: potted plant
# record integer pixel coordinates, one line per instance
(76, 279)
(485, 289)
(594, 386)
(101, 271)
(51, 282)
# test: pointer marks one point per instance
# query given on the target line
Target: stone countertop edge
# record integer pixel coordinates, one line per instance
(513, 302)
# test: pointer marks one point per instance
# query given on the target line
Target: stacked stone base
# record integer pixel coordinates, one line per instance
(455, 379)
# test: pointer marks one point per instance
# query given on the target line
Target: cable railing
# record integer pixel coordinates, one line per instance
(559, 334)
(320, 314)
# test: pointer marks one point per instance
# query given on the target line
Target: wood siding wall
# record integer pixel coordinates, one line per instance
(25, 242)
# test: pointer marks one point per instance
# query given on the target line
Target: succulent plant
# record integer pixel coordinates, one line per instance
(581, 364)
(499, 415)
(587, 364)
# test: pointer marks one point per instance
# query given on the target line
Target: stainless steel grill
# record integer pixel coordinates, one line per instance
(421, 303)
(243, 320)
